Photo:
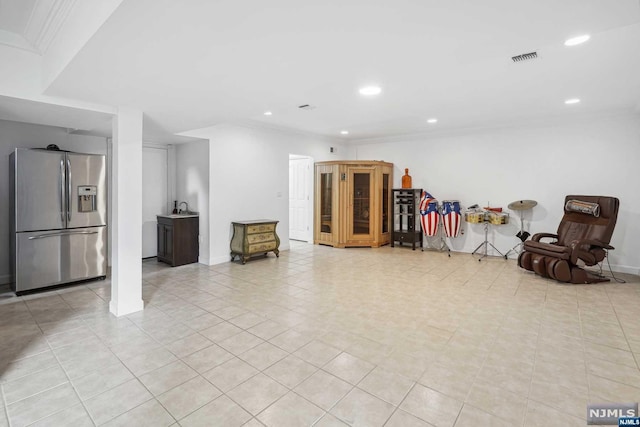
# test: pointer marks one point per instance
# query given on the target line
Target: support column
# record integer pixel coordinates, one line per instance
(126, 208)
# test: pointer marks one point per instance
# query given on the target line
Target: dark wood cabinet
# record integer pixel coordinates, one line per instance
(178, 239)
(406, 217)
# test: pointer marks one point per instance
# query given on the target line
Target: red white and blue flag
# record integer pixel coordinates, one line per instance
(451, 218)
(429, 214)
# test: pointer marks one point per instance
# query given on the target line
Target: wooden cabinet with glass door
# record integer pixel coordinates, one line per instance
(353, 203)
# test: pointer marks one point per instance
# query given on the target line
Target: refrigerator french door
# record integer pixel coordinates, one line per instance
(58, 218)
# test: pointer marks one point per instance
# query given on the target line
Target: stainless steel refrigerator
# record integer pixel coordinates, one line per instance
(58, 218)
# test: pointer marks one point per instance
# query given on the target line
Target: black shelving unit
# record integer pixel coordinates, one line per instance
(406, 217)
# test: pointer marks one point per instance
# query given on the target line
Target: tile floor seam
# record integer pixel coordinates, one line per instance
(5, 407)
(535, 360)
(620, 324)
(589, 382)
(396, 408)
(496, 415)
(119, 415)
(74, 390)
(281, 397)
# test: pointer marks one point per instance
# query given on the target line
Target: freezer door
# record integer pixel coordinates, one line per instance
(86, 184)
(40, 190)
(54, 257)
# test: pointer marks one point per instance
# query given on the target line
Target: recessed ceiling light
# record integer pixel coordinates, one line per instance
(572, 101)
(434, 120)
(344, 132)
(577, 40)
(268, 113)
(370, 90)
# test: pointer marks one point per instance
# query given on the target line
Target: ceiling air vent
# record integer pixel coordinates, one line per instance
(525, 57)
(307, 107)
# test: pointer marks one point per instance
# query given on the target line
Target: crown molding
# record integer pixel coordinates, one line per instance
(16, 41)
(47, 17)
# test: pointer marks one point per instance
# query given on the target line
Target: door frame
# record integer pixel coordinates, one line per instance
(171, 173)
(310, 196)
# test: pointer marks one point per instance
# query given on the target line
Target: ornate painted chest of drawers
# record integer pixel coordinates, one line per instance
(252, 238)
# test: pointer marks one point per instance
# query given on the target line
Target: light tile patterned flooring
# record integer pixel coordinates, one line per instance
(323, 337)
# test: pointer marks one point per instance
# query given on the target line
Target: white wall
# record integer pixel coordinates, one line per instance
(83, 21)
(23, 135)
(192, 186)
(20, 73)
(249, 178)
(155, 194)
(544, 163)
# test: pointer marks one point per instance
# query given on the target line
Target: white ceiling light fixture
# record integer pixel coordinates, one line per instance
(370, 90)
(268, 113)
(432, 121)
(572, 101)
(574, 41)
(344, 132)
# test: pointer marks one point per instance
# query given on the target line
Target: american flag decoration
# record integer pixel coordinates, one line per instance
(429, 214)
(451, 217)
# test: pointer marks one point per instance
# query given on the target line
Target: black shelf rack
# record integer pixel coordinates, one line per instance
(406, 217)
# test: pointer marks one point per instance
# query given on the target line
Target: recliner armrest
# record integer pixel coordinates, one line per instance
(581, 249)
(591, 242)
(536, 237)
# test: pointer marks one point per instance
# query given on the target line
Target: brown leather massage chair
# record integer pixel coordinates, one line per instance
(583, 238)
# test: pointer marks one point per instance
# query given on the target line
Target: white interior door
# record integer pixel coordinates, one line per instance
(299, 197)
(154, 196)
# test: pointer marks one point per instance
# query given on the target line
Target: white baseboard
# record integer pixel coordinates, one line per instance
(203, 260)
(219, 260)
(622, 268)
(126, 307)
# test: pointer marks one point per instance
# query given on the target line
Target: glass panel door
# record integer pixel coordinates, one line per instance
(326, 207)
(361, 203)
(385, 203)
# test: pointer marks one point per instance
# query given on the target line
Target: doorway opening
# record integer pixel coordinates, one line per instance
(300, 198)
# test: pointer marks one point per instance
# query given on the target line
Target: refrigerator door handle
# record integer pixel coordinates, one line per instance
(67, 233)
(68, 190)
(62, 198)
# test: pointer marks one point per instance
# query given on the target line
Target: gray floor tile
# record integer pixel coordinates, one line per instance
(222, 412)
(32, 409)
(117, 401)
(150, 413)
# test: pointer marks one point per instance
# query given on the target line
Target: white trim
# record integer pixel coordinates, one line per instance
(16, 41)
(155, 145)
(621, 269)
(124, 309)
(41, 33)
(309, 192)
(172, 177)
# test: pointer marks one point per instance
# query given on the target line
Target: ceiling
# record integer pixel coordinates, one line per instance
(194, 64)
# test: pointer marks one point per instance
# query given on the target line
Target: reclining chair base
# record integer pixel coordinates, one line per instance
(557, 269)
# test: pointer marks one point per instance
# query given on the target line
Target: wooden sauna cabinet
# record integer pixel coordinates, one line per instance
(353, 204)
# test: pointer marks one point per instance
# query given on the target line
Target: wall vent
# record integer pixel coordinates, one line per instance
(525, 57)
